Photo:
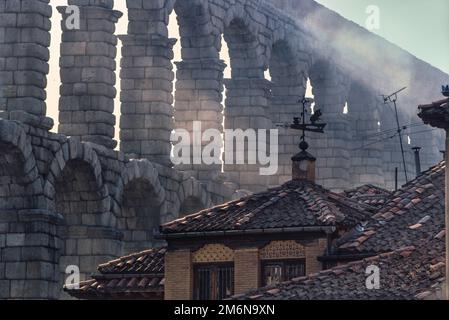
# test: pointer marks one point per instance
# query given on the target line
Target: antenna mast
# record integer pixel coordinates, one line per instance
(394, 98)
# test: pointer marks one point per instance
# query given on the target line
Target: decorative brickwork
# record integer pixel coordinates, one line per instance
(212, 253)
(283, 250)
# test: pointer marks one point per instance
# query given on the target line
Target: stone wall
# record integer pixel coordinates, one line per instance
(67, 202)
(71, 198)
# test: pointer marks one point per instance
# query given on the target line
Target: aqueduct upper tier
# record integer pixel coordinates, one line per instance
(72, 198)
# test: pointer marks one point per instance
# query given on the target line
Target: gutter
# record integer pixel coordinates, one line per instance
(351, 257)
(182, 235)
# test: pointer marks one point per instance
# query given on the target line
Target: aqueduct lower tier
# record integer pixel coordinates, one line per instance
(70, 198)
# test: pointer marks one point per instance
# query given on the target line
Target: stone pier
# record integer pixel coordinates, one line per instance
(366, 149)
(24, 41)
(88, 73)
(247, 107)
(146, 110)
(330, 89)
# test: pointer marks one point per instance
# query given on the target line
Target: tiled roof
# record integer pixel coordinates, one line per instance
(409, 273)
(440, 104)
(435, 114)
(140, 274)
(145, 262)
(412, 213)
(297, 203)
(370, 195)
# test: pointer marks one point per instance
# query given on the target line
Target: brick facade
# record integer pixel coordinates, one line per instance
(178, 275)
(247, 270)
(179, 267)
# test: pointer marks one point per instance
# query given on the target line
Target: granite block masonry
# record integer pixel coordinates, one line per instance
(73, 198)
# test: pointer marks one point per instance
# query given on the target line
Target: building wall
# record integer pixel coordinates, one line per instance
(178, 275)
(247, 270)
(247, 260)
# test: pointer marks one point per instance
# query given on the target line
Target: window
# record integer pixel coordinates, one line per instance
(275, 272)
(213, 282)
(330, 265)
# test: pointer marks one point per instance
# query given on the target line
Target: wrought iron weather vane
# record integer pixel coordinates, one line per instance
(300, 123)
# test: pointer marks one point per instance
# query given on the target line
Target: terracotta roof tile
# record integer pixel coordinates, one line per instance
(407, 274)
(369, 194)
(294, 204)
(395, 226)
(132, 275)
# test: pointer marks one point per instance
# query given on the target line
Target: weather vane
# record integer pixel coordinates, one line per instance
(300, 123)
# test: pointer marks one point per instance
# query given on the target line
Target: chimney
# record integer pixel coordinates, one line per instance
(303, 164)
(417, 160)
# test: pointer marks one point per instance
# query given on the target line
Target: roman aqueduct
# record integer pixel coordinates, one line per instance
(75, 198)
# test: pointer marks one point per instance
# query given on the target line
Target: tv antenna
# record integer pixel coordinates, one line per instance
(393, 98)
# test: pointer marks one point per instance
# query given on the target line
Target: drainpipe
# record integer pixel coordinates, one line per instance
(417, 160)
(446, 204)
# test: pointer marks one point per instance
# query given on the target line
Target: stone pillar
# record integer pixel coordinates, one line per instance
(366, 150)
(288, 87)
(29, 246)
(247, 107)
(331, 149)
(146, 98)
(24, 41)
(88, 77)
(198, 96)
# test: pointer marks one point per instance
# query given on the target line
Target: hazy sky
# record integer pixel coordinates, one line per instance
(420, 27)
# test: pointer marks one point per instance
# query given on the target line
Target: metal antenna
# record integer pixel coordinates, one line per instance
(394, 98)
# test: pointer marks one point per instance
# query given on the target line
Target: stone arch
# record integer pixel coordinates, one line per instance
(199, 37)
(75, 186)
(247, 55)
(20, 182)
(141, 198)
(193, 197)
(82, 152)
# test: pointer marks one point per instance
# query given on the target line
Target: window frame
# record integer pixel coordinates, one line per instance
(283, 263)
(214, 268)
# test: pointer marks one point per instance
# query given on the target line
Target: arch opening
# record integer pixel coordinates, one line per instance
(78, 200)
